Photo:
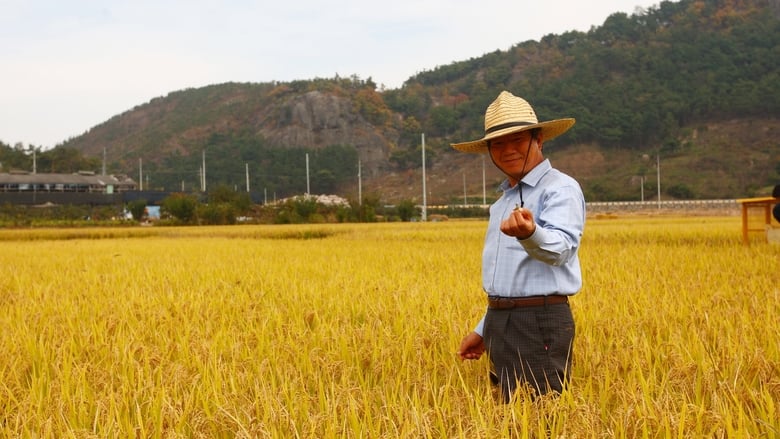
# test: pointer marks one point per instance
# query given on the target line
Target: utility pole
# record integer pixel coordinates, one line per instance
(203, 174)
(484, 197)
(658, 176)
(141, 174)
(464, 189)
(246, 165)
(308, 189)
(360, 185)
(425, 199)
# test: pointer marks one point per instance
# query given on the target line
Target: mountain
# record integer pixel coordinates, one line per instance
(693, 85)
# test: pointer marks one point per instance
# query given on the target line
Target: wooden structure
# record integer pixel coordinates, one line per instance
(765, 203)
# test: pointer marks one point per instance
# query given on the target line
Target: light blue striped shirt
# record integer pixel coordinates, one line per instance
(546, 262)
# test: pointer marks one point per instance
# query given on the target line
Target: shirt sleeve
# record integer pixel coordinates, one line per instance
(559, 226)
(480, 328)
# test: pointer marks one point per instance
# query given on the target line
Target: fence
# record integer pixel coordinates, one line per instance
(724, 206)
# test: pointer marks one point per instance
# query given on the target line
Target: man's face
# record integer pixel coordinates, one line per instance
(514, 152)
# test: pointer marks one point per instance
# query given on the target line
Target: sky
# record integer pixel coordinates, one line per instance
(69, 65)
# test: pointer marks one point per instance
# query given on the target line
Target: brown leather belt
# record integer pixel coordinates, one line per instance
(524, 302)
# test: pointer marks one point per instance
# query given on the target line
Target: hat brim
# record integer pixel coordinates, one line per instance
(550, 130)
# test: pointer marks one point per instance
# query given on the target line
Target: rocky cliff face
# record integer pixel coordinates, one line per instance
(316, 119)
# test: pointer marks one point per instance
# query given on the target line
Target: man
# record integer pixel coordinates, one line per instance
(529, 263)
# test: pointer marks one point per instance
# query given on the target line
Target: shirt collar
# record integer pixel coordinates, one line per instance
(533, 176)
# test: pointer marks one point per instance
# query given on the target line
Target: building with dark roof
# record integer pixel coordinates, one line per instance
(20, 187)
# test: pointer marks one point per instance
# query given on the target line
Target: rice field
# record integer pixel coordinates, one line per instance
(351, 331)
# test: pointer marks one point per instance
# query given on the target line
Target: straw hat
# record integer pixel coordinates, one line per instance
(511, 114)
